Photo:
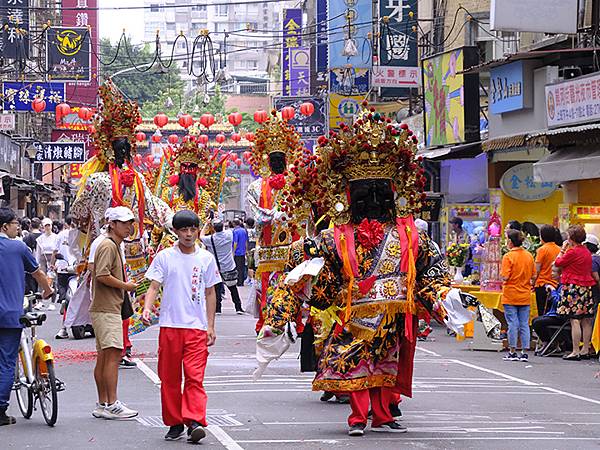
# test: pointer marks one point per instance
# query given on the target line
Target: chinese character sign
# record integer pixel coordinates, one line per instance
(308, 127)
(574, 101)
(14, 39)
(68, 54)
(292, 38)
(320, 79)
(60, 152)
(350, 25)
(398, 42)
(518, 183)
(299, 71)
(7, 122)
(396, 77)
(18, 96)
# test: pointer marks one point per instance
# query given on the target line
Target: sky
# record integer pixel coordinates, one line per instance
(112, 22)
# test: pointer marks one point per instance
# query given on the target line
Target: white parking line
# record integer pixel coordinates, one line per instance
(226, 440)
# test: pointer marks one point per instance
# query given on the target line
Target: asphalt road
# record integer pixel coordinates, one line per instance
(462, 399)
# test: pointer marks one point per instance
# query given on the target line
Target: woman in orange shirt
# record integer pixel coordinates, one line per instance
(544, 260)
(518, 271)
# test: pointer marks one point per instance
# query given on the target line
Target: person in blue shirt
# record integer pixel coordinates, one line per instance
(240, 244)
(16, 261)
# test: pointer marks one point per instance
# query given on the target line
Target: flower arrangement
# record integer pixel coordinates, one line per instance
(457, 254)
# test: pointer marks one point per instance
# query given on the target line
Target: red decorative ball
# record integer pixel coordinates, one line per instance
(236, 137)
(174, 180)
(202, 182)
(207, 120)
(173, 139)
(203, 139)
(160, 120)
(235, 118)
(38, 105)
(260, 116)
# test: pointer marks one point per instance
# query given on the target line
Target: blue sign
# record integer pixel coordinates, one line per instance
(299, 67)
(517, 182)
(321, 80)
(18, 96)
(292, 38)
(310, 127)
(350, 23)
(349, 81)
(507, 88)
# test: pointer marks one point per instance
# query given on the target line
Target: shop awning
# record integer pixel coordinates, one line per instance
(460, 151)
(568, 165)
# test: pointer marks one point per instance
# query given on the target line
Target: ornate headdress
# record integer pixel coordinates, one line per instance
(118, 117)
(372, 148)
(190, 151)
(275, 135)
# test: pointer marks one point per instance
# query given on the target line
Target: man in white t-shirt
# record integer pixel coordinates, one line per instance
(188, 275)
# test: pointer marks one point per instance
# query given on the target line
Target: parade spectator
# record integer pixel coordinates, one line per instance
(31, 241)
(220, 244)
(459, 235)
(518, 271)
(188, 276)
(544, 260)
(240, 245)
(252, 236)
(109, 292)
(25, 226)
(46, 244)
(530, 229)
(16, 261)
(577, 300)
(543, 324)
(592, 243)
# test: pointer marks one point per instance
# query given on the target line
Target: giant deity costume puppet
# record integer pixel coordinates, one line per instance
(276, 144)
(378, 273)
(109, 180)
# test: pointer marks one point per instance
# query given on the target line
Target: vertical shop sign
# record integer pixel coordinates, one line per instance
(14, 39)
(292, 38)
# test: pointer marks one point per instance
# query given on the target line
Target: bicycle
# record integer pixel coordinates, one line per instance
(35, 379)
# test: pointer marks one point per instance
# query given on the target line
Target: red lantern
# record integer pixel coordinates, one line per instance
(173, 139)
(235, 118)
(207, 120)
(85, 113)
(62, 110)
(160, 120)
(220, 138)
(203, 139)
(140, 136)
(156, 138)
(288, 113)
(260, 116)
(137, 159)
(250, 136)
(247, 155)
(238, 162)
(149, 160)
(236, 137)
(38, 105)
(307, 109)
(232, 157)
(186, 121)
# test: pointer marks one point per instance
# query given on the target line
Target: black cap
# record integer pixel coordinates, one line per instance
(457, 221)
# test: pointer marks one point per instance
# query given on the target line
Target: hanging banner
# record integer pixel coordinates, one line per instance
(60, 152)
(19, 95)
(299, 71)
(398, 42)
(396, 77)
(320, 76)
(310, 127)
(573, 102)
(68, 54)
(350, 25)
(83, 13)
(292, 38)
(349, 81)
(14, 38)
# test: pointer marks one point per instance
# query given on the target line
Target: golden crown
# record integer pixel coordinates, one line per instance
(274, 135)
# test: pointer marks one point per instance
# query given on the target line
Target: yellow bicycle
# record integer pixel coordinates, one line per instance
(35, 379)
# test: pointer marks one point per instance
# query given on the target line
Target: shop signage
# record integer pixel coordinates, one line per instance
(308, 127)
(585, 212)
(349, 81)
(292, 38)
(573, 101)
(68, 54)
(509, 90)
(517, 182)
(350, 25)
(60, 152)
(14, 38)
(18, 96)
(396, 77)
(7, 122)
(343, 109)
(430, 209)
(299, 71)
(321, 76)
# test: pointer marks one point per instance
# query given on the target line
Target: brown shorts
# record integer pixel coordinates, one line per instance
(108, 329)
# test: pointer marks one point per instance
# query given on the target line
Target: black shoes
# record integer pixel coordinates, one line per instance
(326, 396)
(390, 427)
(175, 433)
(572, 357)
(395, 411)
(195, 432)
(6, 420)
(358, 429)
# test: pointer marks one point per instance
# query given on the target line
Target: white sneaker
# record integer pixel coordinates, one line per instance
(51, 307)
(38, 306)
(118, 411)
(98, 411)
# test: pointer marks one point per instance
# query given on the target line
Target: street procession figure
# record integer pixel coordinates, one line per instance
(377, 275)
(109, 180)
(276, 143)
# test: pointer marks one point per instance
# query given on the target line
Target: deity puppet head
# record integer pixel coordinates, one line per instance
(193, 169)
(372, 199)
(121, 150)
(188, 172)
(277, 162)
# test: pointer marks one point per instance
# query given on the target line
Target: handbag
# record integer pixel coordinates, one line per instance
(229, 277)
(126, 306)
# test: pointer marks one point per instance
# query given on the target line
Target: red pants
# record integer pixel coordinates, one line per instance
(187, 347)
(380, 399)
(126, 342)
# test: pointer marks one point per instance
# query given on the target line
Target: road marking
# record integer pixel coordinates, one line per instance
(429, 352)
(226, 440)
(407, 438)
(147, 371)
